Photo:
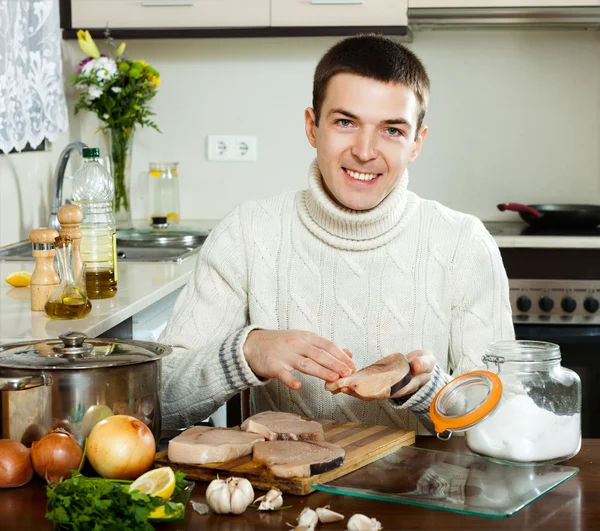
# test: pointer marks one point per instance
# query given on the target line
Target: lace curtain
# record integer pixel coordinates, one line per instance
(32, 96)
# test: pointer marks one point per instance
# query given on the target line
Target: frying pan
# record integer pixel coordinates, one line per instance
(556, 215)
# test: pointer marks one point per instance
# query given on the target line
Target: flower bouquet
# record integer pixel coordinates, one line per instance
(118, 91)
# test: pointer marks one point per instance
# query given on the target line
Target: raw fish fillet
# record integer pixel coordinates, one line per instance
(287, 459)
(275, 425)
(205, 444)
(380, 380)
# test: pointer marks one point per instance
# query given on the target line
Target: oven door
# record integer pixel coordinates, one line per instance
(580, 350)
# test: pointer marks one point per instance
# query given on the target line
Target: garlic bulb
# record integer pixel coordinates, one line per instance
(360, 522)
(326, 515)
(232, 495)
(271, 500)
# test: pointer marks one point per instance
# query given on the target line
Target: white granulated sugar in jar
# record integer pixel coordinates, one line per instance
(519, 430)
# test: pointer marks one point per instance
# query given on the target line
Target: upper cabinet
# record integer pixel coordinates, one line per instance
(338, 13)
(90, 14)
(449, 4)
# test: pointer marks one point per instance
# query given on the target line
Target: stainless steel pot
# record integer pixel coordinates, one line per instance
(75, 383)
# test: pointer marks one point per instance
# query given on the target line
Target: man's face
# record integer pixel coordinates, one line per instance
(365, 138)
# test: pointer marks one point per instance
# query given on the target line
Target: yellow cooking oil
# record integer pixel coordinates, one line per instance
(68, 308)
(98, 252)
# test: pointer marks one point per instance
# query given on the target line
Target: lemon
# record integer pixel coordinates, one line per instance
(172, 217)
(159, 482)
(19, 279)
(160, 512)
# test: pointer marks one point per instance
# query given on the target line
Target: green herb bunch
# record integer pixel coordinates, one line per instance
(99, 504)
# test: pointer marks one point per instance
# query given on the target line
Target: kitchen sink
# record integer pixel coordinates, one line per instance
(139, 251)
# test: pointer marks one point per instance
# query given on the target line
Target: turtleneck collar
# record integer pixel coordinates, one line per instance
(353, 229)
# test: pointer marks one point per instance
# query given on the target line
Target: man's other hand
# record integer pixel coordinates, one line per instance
(421, 368)
(276, 353)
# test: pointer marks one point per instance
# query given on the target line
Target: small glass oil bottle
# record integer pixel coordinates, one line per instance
(69, 300)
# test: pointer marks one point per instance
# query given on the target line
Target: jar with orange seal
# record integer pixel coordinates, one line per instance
(523, 406)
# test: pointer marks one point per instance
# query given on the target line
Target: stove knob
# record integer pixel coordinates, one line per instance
(523, 303)
(546, 303)
(591, 305)
(569, 304)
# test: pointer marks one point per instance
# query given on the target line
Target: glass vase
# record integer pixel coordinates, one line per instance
(119, 144)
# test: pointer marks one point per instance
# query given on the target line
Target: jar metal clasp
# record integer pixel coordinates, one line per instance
(496, 360)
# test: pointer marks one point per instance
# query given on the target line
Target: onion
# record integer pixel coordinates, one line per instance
(55, 454)
(15, 464)
(121, 447)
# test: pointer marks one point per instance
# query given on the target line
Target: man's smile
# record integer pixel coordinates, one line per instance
(359, 176)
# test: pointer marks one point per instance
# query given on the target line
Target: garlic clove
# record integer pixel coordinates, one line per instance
(271, 500)
(200, 508)
(308, 518)
(327, 516)
(360, 522)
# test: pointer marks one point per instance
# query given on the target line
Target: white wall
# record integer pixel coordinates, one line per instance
(514, 116)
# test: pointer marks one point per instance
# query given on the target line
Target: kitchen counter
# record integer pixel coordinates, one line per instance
(518, 234)
(573, 506)
(139, 285)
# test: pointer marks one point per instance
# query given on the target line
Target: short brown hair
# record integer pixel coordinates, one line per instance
(375, 57)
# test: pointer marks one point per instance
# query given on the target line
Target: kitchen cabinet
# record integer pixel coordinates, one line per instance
(338, 13)
(449, 4)
(91, 14)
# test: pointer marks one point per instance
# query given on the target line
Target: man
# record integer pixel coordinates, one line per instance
(297, 290)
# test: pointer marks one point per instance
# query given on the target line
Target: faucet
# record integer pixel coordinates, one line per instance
(59, 177)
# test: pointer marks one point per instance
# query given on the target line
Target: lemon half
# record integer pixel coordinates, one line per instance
(19, 279)
(159, 482)
(160, 512)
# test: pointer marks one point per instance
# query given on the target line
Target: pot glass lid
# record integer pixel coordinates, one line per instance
(75, 351)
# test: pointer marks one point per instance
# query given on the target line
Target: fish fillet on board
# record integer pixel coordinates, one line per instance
(289, 459)
(205, 444)
(380, 380)
(276, 425)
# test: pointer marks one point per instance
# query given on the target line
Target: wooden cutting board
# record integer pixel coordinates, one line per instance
(363, 444)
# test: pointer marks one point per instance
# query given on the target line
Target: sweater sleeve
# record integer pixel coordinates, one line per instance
(480, 314)
(207, 330)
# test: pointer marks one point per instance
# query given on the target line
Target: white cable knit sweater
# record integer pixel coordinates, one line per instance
(408, 274)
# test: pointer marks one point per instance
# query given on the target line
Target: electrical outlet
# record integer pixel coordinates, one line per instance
(219, 148)
(228, 148)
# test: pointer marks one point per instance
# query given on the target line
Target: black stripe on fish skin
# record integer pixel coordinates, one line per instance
(320, 468)
(402, 383)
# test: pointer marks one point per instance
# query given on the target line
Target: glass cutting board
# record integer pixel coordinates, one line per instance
(461, 483)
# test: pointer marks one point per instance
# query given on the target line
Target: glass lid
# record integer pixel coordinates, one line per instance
(465, 401)
(157, 237)
(75, 351)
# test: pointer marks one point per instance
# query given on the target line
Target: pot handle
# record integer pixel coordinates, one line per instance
(24, 382)
(519, 207)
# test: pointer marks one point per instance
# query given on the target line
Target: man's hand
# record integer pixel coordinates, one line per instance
(421, 368)
(276, 353)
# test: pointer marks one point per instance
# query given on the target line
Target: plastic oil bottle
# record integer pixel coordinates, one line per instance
(93, 191)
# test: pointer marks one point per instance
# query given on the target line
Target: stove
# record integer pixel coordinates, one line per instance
(510, 228)
(555, 297)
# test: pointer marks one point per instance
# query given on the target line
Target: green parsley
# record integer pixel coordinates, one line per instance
(98, 504)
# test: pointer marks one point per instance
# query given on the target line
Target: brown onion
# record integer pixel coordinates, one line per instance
(121, 447)
(15, 464)
(55, 454)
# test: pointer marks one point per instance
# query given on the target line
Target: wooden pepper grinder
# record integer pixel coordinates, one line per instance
(44, 279)
(69, 217)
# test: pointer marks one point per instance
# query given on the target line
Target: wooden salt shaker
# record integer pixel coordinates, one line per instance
(69, 217)
(44, 279)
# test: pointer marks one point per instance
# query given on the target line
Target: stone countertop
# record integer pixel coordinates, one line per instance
(517, 234)
(139, 285)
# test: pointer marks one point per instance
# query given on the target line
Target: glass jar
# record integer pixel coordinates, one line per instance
(162, 188)
(524, 406)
